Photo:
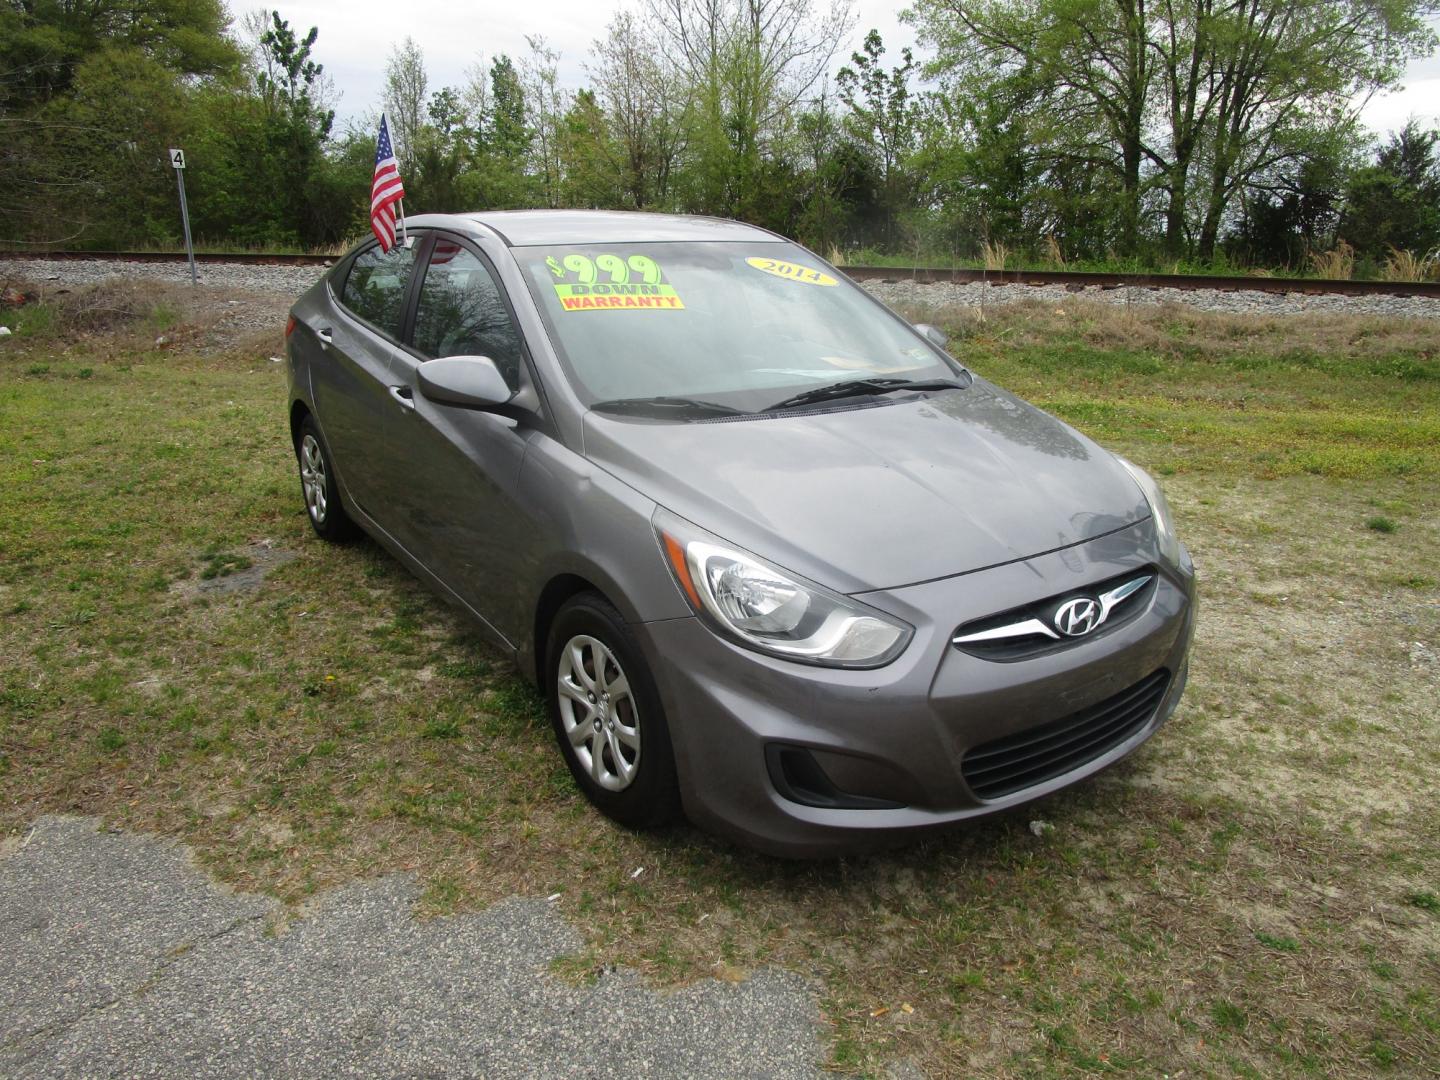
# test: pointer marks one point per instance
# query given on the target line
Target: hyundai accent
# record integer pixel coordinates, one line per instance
(775, 559)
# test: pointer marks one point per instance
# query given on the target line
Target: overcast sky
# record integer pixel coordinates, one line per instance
(356, 37)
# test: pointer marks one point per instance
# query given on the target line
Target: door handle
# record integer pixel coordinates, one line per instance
(404, 395)
(325, 338)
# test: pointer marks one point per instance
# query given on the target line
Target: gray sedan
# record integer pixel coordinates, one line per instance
(774, 558)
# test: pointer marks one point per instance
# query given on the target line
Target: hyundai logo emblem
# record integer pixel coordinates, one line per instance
(1076, 618)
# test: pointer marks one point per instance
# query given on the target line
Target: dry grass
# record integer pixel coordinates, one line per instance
(1407, 266)
(1338, 264)
(1053, 256)
(1254, 893)
(995, 255)
(112, 308)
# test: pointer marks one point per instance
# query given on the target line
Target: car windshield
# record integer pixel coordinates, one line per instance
(736, 326)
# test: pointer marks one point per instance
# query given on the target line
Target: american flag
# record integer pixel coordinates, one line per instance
(385, 190)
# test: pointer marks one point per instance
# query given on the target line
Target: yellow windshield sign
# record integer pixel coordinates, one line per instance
(606, 297)
(611, 283)
(792, 271)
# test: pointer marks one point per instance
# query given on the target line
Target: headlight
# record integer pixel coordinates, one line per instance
(1159, 509)
(773, 611)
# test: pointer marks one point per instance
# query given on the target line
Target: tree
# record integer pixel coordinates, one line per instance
(643, 100)
(43, 43)
(503, 149)
(839, 194)
(1293, 212)
(405, 86)
(1395, 203)
(589, 159)
(747, 64)
(1284, 70)
(547, 105)
(1085, 63)
(1187, 102)
(260, 171)
(90, 96)
(506, 133)
(884, 116)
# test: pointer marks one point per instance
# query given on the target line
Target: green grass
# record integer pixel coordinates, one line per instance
(1196, 393)
(1251, 894)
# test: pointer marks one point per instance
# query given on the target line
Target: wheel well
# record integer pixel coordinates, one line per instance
(557, 590)
(298, 413)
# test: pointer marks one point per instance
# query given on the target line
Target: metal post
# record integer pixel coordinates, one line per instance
(177, 162)
(185, 218)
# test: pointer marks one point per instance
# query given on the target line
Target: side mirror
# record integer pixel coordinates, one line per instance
(934, 333)
(472, 382)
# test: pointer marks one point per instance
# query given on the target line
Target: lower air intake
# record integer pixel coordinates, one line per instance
(1005, 766)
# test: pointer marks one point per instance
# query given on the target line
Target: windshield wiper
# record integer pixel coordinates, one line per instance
(855, 387)
(643, 405)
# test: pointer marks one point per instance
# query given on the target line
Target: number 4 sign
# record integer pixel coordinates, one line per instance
(177, 162)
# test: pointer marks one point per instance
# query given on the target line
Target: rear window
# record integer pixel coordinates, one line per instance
(375, 287)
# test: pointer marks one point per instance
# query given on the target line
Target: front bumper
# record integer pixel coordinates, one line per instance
(896, 735)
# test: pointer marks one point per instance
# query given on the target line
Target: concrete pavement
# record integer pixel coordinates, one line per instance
(119, 958)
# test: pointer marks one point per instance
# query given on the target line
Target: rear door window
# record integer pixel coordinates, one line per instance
(461, 312)
(375, 287)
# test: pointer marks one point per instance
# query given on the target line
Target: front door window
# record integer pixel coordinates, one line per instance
(460, 312)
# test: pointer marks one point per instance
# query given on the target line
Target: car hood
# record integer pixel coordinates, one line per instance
(880, 497)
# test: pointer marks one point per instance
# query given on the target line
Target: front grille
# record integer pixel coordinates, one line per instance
(1038, 617)
(1005, 766)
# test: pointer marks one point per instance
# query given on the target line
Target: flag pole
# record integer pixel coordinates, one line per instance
(404, 236)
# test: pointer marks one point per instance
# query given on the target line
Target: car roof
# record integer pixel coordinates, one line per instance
(536, 228)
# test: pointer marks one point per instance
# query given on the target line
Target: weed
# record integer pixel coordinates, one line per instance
(441, 728)
(1228, 1016)
(1381, 524)
(1424, 900)
(111, 739)
(218, 564)
(1279, 943)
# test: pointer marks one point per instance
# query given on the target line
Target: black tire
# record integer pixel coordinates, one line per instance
(323, 505)
(650, 797)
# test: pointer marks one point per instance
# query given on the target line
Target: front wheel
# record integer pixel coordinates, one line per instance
(607, 716)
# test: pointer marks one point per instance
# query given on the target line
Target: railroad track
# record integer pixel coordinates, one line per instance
(1071, 279)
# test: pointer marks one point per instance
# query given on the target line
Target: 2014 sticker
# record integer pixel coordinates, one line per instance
(792, 272)
(612, 282)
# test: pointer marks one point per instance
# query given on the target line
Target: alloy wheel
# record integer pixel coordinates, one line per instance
(313, 478)
(598, 712)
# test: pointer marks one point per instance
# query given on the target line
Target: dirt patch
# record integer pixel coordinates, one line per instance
(153, 316)
(225, 573)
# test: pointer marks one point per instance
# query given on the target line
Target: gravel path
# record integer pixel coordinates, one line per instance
(118, 958)
(978, 294)
(293, 280)
(283, 279)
